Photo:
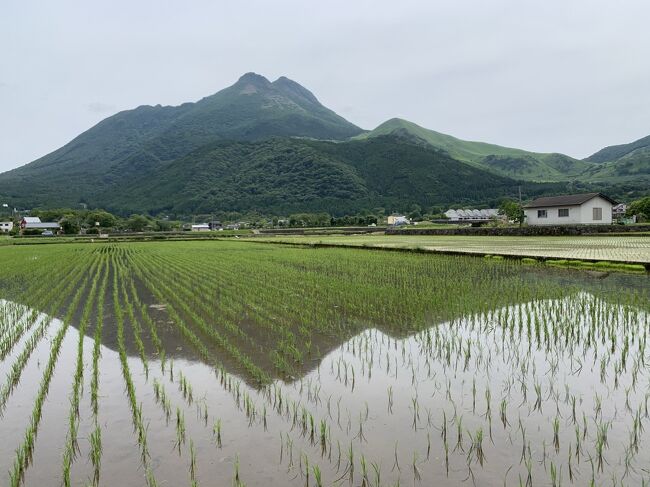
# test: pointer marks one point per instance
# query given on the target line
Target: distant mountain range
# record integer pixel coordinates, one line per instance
(274, 148)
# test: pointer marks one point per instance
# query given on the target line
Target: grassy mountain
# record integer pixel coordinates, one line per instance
(506, 161)
(636, 149)
(626, 164)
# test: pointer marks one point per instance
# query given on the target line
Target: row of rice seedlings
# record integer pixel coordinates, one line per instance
(10, 313)
(25, 450)
(136, 411)
(71, 447)
(13, 333)
(142, 308)
(135, 324)
(95, 454)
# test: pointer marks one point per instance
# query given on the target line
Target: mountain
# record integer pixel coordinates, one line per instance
(515, 163)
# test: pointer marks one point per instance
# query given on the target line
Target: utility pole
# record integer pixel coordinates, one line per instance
(521, 209)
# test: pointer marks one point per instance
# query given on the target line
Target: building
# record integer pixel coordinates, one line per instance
(481, 215)
(572, 209)
(35, 223)
(200, 227)
(6, 227)
(397, 220)
(215, 225)
(619, 211)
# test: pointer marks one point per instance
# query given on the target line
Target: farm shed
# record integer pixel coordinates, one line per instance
(572, 209)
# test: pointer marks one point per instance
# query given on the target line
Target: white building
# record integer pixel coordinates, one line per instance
(460, 215)
(201, 227)
(6, 227)
(573, 209)
(397, 220)
(619, 211)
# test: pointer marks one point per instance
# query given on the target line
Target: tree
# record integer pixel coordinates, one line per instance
(137, 223)
(70, 224)
(639, 207)
(104, 218)
(512, 210)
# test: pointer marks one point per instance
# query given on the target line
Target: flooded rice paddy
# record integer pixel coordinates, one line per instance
(173, 364)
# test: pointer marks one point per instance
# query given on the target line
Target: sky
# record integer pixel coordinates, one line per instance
(568, 76)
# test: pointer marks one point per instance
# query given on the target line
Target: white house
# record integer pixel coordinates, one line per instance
(572, 209)
(6, 227)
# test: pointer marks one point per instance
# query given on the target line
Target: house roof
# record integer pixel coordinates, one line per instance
(566, 200)
(32, 219)
(41, 225)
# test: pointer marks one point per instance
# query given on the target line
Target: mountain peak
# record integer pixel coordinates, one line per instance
(252, 77)
(250, 83)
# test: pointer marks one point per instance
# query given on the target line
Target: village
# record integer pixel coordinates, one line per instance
(563, 210)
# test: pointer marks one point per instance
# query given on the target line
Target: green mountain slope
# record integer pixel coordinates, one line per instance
(506, 161)
(616, 152)
(624, 165)
(285, 175)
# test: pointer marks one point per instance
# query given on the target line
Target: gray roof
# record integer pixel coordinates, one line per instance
(41, 225)
(566, 200)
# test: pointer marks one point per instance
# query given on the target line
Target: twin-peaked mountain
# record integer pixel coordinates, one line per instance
(273, 147)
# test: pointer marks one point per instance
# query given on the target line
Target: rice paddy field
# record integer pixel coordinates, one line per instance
(233, 363)
(632, 249)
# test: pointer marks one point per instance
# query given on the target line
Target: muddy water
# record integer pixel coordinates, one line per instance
(554, 388)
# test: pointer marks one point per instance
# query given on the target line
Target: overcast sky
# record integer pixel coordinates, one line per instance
(566, 76)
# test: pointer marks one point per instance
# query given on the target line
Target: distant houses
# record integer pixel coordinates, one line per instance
(6, 227)
(472, 215)
(572, 209)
